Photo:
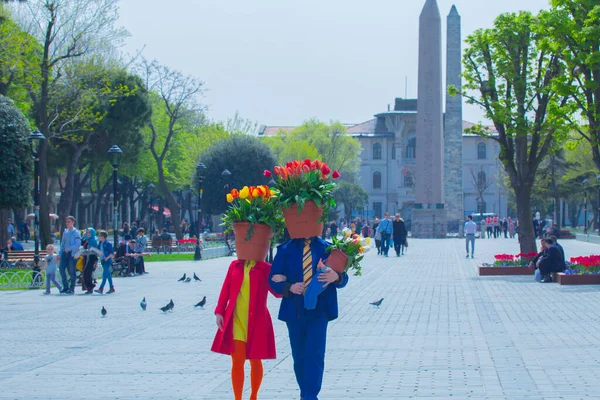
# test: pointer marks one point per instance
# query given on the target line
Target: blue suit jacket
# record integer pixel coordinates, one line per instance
(288, 262)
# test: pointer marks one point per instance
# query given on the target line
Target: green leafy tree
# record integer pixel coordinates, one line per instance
(175, 101)
(352, 196)
(15, 162)
(246, 157)
(572, 31)
(318, 140)
(510, 78)
(66, 30)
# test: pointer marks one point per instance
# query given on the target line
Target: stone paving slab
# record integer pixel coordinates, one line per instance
(442, 332)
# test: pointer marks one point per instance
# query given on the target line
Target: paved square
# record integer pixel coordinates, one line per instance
(441, 332)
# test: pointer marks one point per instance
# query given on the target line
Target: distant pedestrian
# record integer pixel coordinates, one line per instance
(377, 236)
(10, 228)
(386, 230)
(50, 267)
(107, 255)
(470, 230)
(69, 245)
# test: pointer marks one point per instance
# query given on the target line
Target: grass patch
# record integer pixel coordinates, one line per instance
(21, 277)
(169, 257)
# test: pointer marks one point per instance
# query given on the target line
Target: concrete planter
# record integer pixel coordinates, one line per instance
(564, 279)
(496, 271)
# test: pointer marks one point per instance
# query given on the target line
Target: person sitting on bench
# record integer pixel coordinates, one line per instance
(552, 261)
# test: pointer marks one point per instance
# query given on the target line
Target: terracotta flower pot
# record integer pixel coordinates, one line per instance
(306, 224)
(257, 247)
(337, 260)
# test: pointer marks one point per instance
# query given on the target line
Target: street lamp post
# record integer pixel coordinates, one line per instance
(598, 212)
(150, 190)
(585, 181)
(35, 141)
(179, 192)
(200, 168)
(115, 154)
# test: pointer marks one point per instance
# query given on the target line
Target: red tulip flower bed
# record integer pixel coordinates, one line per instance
(508, 264)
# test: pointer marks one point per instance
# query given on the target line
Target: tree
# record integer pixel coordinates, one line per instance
(174, 94)
(101, 105)
(15, 162)
(572, 31)
(481, 184)
(352, 196)
(246, 157)
(510, 77)
(66, 30)
(314, 139)
(19, 52)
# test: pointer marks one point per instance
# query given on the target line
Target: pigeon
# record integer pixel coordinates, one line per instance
(188, 280)
(202, 303)
(196, 278)
(103, 312)
(181, 279)
(143, 304)
(165, 308)
(171, 305)
(377, 303)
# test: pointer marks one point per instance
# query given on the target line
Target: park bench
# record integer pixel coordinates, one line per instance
(158, 245)
(22, 259)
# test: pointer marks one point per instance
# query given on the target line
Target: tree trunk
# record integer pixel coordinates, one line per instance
(171, 201)
(65, 206)
(4, 216)
(526, 233)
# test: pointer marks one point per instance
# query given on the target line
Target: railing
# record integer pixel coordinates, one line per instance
(19, 276)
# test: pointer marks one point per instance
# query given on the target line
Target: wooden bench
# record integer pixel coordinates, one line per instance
(23, 259)
(157, 245)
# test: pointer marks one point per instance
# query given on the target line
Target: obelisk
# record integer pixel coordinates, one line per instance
(453, 120)
(429, 213)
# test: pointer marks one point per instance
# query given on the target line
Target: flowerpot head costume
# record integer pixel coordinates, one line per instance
(245, 326)
(305, 192)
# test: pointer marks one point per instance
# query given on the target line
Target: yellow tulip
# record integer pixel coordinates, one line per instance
(245, 192)
(229, 198)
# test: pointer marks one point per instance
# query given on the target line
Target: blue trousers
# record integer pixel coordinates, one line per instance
(67, 262)
(385, 243)
(106, 274)
(470, 237)
(308, 334)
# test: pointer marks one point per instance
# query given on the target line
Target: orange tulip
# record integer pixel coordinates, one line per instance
(235, 193)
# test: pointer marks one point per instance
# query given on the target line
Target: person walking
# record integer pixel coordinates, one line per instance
(140, 248)
(69, 245)
(10, 228)
(377, 236)
(470, 230)
(386, 230)
(511, 228)
(91, 245)
(245, 330)
(107, 256)
(399, 235)
(50, 267)
(307, 327)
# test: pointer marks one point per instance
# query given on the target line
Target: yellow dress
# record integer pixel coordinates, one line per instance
(242, 306)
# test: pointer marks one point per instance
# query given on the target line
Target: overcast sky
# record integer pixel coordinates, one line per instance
(280, 62)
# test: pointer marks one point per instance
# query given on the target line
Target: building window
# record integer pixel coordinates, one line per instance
(409, 181)
(481, 179)
(393, 152)
(377, 210)
(377, 151)
(411, 148)
(376, 180)
(481, 151)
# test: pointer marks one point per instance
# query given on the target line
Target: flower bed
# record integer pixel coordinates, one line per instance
(584, 270)
(508, 264)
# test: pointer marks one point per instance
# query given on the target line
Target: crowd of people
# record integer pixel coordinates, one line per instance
(85, 252)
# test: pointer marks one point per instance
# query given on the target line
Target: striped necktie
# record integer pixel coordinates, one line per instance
(307, 264)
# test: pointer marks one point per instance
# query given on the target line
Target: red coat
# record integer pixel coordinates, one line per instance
(260, 344)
